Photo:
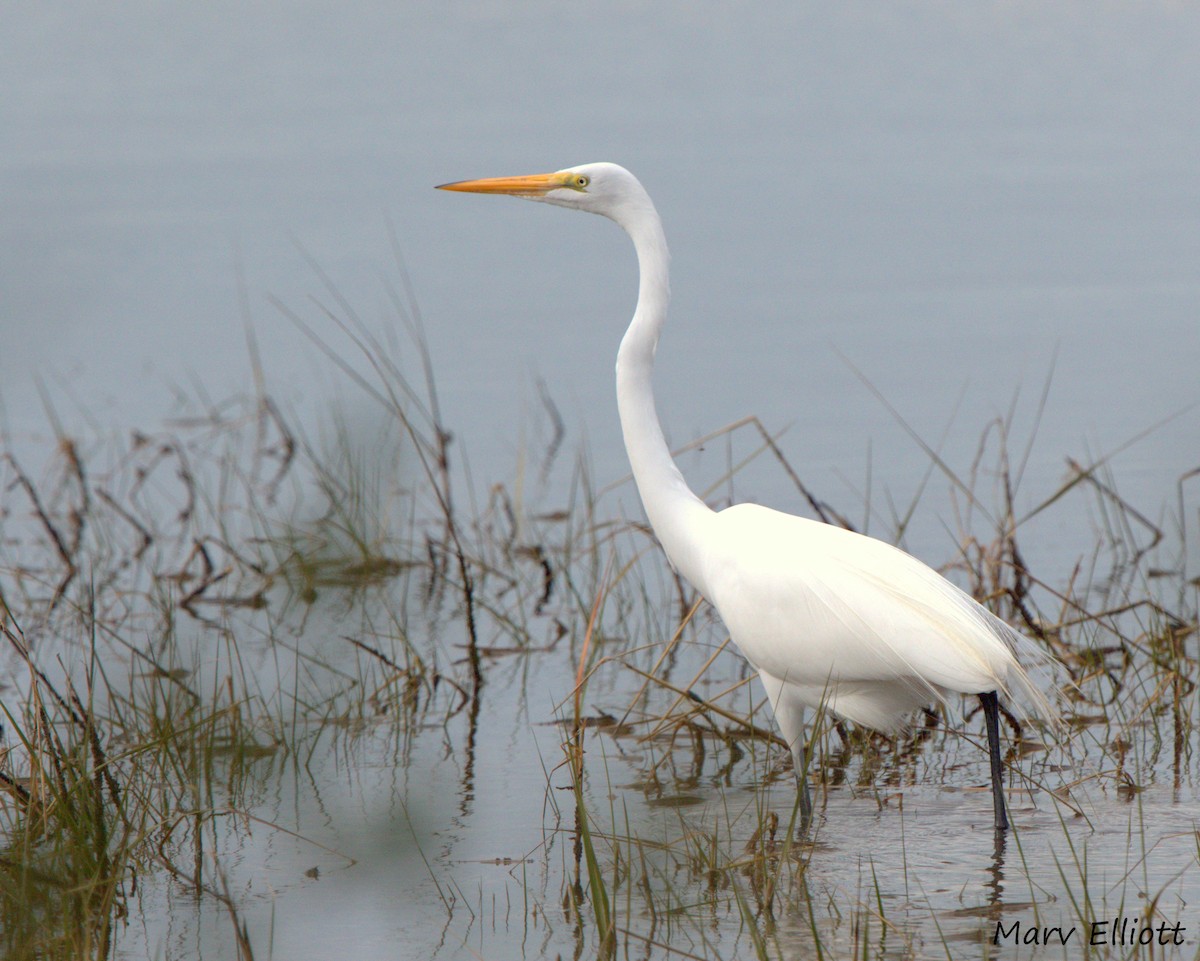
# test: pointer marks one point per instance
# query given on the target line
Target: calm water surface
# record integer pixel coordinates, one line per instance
(957, 204)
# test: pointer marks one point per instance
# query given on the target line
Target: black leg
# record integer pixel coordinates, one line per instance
(800, 769)
(991, 714)
(806, 805)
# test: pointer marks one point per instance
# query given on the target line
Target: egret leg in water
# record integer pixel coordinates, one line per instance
(991, 716)
(828, 617)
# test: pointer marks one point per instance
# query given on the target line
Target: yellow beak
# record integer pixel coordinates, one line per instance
(534, 185)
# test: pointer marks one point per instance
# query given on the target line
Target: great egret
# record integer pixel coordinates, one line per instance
(828, 618)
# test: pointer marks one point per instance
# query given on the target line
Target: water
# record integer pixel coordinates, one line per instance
(960, 203)
(955, 202)
(453, 837)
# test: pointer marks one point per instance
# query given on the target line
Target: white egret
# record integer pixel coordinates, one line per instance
(829, 618)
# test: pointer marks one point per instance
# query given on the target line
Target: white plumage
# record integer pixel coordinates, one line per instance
(826, 616)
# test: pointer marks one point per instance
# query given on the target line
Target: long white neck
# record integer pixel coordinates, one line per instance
(675, 513)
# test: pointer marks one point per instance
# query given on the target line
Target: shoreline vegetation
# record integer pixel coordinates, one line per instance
(190, 614)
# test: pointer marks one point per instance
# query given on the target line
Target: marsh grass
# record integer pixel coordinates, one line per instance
(193, 615)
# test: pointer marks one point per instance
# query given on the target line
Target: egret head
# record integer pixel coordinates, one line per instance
(599, 188)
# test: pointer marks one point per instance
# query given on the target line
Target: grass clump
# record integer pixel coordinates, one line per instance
(203, 619)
